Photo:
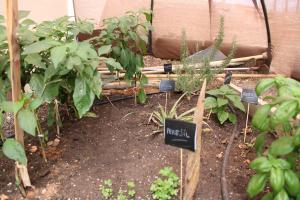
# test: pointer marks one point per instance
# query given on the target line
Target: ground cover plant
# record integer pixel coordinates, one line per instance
(190, 76)
(124, 40)
(221, 101)
(278, 166)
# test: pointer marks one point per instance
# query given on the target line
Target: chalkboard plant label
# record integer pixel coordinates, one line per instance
(249, 96)
(180, 134)
(167, 86)
(168, 68)
(228, 78)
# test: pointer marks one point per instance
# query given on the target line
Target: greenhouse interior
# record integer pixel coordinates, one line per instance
(150, 99)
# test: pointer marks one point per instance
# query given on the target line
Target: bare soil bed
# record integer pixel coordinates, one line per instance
(116, 145)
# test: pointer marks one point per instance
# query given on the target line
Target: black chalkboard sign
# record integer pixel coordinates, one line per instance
(168, 68)
(167, 86)
(249, 96)
(180, 134)
(228, 78)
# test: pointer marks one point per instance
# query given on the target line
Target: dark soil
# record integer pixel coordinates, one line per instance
(116, 145)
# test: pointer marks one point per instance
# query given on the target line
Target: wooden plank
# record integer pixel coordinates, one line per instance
(193, 163)
(15, 73)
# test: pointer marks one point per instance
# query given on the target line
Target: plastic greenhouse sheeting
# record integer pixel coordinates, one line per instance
(244, 20)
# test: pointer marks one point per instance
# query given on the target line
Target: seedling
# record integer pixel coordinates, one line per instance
(106, 189)
(166, 187)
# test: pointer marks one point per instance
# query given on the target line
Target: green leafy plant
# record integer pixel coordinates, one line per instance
(166, 187)
(106, 189)
(55, 68)
(158, 117)
(220, 100)
(124, 41)
(190, 76)
(131, 189)
(278, 166)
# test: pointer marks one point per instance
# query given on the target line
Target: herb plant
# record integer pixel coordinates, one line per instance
(190, 76)
(165, 188)
(278, 167)
(158, 117)
(124, 40)
(220, 100)
(106, 189)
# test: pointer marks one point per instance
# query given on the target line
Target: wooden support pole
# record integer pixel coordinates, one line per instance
(193, 164)
(15, 74)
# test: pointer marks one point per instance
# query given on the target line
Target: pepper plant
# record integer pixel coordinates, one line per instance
(277, 167)
(55, 66)
(124, 41)
(219, 102)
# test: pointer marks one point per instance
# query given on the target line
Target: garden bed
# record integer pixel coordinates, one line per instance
(117, 146)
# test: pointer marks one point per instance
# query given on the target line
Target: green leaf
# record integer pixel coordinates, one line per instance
(284, 112)
(232, 118)
(37, 102)
(105, 49)
(261, 119)
(282, 146)
(259, 143)
(14, 150)
(51, 90)
(236, 101)
(58, 55)
(83, 97)
(27, 121)
(256, 184)
(37, 47)
(281, 164)
(113, 63)
(222, 116)
(73, 61)
(282, 195)
(221, 102)
(142, 96)
(264, 85)
(292, 182)
(34, 59)
(277, 179)
(210, 102)
(261, 164)
(37, 83)
(11, 107)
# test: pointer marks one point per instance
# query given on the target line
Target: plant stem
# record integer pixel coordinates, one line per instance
(57, 118)
(40, 134)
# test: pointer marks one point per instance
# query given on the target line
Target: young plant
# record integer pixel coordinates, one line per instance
(131, 189)
(278, 167)
(158, 117)
(190, 76)
(165, 188)
(106, 189)
(124, 41)
(219, 102)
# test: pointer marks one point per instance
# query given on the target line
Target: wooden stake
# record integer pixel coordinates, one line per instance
(192, 170)
(15, 74)
(247, 118)
(181, 173)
